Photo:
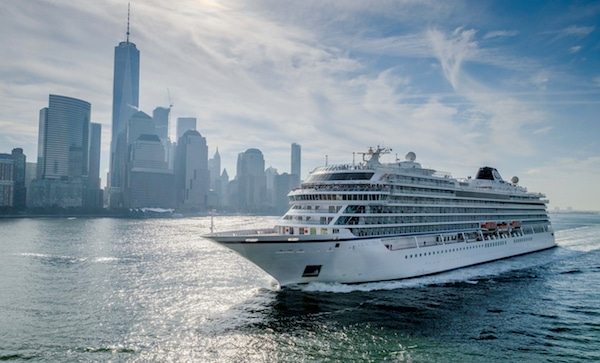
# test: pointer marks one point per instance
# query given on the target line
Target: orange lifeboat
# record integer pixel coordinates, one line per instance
(488, 226)
(503, 227)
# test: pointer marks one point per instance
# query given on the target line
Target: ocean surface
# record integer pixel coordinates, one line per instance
(105, 289)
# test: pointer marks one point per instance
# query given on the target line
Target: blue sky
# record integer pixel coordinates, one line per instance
(513, 84)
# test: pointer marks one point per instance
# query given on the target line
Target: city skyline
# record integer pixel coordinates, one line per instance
(459, 92)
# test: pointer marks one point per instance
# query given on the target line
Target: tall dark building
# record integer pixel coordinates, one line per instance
(296, 165)
(126, 90)
(19, 170)
(63, 154)
(7, 183)
(63, 138)
(30, 175)
(94, 195)
(95, 151)
(41, 157)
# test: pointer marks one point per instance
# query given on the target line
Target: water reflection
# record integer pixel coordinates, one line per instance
(154, 290)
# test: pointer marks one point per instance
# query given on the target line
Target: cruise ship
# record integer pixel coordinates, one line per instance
(373, 221)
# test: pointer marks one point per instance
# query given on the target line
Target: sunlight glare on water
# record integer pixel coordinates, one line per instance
(155, 290)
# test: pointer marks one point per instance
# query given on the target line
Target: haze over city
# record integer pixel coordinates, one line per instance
(430, 77)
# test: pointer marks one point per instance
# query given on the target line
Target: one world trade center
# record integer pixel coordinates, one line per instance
(126, 91)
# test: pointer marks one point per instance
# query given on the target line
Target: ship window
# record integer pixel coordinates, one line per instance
(311, 271)
(339, 176)
(487, 173)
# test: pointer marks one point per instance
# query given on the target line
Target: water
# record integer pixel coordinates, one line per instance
(154, 290)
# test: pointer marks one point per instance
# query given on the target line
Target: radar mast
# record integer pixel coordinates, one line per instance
(371, 157)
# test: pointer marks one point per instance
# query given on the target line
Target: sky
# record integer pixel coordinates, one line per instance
(510, 84)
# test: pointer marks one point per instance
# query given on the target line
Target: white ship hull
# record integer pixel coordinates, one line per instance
(369, 260)
(373, 222)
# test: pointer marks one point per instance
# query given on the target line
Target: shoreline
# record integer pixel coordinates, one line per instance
(173, 215)
(127, 215)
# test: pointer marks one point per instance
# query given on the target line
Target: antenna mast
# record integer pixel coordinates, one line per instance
(170, 100)
(128, 10)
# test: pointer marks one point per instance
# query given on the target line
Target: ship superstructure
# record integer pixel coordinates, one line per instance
(373, 221)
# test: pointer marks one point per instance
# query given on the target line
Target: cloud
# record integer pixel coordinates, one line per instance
(335, 77)
(252, 81)
(574, 49)
(504, 115)
(579, 31)
(452, 51)
(596, 81)
(573, 31)
(541, 79)
(543, 130)
(500, 34)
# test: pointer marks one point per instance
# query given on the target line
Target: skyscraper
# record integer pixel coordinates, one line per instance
(251, 181)
(270, 174)
(63, 153)
(126, 90)
(214, 167)
(19, 163)
(296, 165)
(94, 194)
(191, 171)
(149, 182)
(160, 115)
(281, 190)
(43, 118)
(147, 153)
(7, 182)
(64, 138)
(184, 124)
(94, 164)
(140, 123)
(223, 190)
(30, 174)
(214, 172)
